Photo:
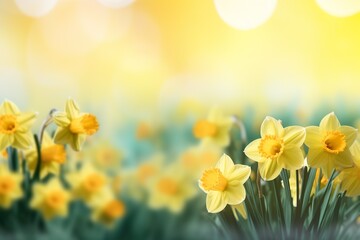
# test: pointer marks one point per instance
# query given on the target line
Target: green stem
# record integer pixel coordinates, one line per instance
(36, 176)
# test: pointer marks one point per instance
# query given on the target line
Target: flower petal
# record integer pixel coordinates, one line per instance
(313, 137)
(78, 141)
(316, 157)
(240, 173)
(292, 158)
(294, 135)
(5, 141)
(72, 109)
(235, 194)
(271, 126)
(22, 140)
(25, 120)
(8, 107)
(350, 134)
(344, 160)
(252, 151)
(225, 164)
(329, 123)
(215, 201)
(63, 136)
(61, 119)
(269, 169)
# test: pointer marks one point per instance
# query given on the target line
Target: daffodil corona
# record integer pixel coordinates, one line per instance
(277, 148)
(224, 184)
(15, 126)
(329, 145)
(73, 126)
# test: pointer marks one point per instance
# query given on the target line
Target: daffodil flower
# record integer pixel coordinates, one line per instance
(52, 156)
(15, 126)
(350, 177)
(51, 199)
(10, 187)
(215, 129)
(329, 145)
(277, 148)
(74, 126)
(224, 184)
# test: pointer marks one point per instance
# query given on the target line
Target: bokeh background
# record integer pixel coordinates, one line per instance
(152, 67)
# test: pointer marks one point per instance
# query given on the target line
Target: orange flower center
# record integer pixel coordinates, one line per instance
(7, 184)
(168, 186)
(271, 146)
(55, 199)
(204, 128)
(145, 171)
(54, 153)
(94, 182)
(334, 142)
(114, 209)
(8, 124)
(86, 124)
(213, 179)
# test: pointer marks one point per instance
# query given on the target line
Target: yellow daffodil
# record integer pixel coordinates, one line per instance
(52, 156)
(106, 209)
(215, 129)
(350, 177)
(171, 189)
(15, 126)
(10, 187)
(196, 159)
(329, 145)
(87, 183)
(74, 126)
(51, 199)
(277, 148)
(104, 156)
(224, 184)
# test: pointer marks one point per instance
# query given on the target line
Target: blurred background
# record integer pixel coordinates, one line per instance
(149, 68)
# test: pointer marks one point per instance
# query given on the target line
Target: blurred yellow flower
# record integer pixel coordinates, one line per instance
(106, 209)
(51, 199)
(277, 148)
(224, 184)
(52, 156)
(215, 129)
(350, 177)
(105, 156)
(87, 183)
(171, 189)
(144, 130)
(10, 187)
(73, 126)
(15, 126)
(196, 159)
(329, 145)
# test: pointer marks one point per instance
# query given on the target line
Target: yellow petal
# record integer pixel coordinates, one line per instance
(292, 158)
(316, 157)
(72, 109)
(225, 164)
(271, 126)
(239, 173)
(350, 134)
(313, 137)
(241, 209)
(269, 169)
(78, 141)
(25, 120)
(215, 201)
(294, 135)
(252, 151)
(5, 141)
(329, 123)
(235, 194)
(344, 160)
(8, 107)
(22, 140)
(63, 136)
(61, 119)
